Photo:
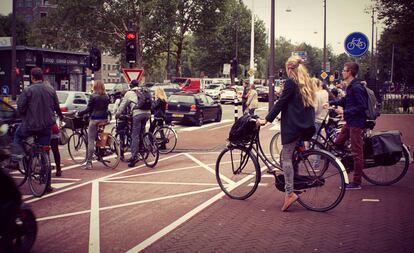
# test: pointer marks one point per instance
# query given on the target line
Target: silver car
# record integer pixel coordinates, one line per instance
(70, 101)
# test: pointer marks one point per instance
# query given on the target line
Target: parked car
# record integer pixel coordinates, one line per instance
(262, 92)
(188, 83)
(169, 88)
(196, 108)
(213, 90)
(229, 94)
(70, 101)
(114, 90)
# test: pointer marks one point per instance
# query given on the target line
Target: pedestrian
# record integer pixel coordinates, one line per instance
(35, 98)
(158, 108)
(139, 120)
(244, 95)
(354, 104)
(322, 97)
(296, 104)
(54, 145)
(406, 104)
(252, 102)
(98, 113)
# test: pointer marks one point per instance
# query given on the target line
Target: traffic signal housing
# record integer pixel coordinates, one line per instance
(131, 46)
(94, 59)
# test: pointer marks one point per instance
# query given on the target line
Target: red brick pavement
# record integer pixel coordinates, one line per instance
(258, 225)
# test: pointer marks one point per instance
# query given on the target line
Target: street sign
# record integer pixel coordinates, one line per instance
(301, 54)
(356, 44)
(133, 74)
(324, 75)
(331, 78)
(5, 41)
(327, 68)
(5, 90)
(251, 72)
(226, 69)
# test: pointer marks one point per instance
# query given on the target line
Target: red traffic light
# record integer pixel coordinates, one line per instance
(130, 35)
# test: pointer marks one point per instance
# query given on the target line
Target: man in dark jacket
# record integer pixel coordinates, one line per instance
(37, 106)
(354, 104)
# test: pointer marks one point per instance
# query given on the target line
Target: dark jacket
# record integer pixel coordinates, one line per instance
(37, 105)
(158, 108)
(354, 103)
(298, 121)
(97, 107)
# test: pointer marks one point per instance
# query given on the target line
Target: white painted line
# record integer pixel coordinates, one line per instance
(220, 127)
(370, 200)
(94, 233)
(62, 215)
(161, 183)
(60, 185)
(260, 184)
(65, 179)
(203, 165)
(189, 129)
(267, 175)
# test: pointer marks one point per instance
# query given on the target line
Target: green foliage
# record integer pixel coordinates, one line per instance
(22, 29)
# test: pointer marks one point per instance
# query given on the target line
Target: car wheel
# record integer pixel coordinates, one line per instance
(200, 121)
(218, 119)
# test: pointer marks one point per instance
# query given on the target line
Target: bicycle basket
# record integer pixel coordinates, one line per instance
(244, 130)
(78, 123)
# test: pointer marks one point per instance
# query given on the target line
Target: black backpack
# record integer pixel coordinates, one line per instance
(144, 98)
(244, 130)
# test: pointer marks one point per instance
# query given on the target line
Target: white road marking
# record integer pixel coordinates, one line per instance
(208, 168)
(62, 215)
(260, 184)
(189, 129)
(220, 127)
(156, 182)
(94, 224)
(60, 185)
(370, 200)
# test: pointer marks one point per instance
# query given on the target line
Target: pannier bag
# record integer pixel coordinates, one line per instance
(243, 130)
(102, 140)
(384, 147)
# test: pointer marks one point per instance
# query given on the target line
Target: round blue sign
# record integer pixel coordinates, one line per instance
(356, 44)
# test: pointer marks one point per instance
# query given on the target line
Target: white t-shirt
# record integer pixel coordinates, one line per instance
(322, 97)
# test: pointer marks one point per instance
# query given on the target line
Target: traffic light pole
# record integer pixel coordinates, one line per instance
(272, 58)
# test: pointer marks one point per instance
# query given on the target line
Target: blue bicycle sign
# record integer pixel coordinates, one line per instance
(356, 44)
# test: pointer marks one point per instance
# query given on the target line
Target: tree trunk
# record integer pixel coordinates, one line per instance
(178, 70)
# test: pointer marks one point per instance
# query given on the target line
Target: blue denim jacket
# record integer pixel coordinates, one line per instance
(354, 103)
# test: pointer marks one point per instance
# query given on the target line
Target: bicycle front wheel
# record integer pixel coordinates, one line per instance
(319, 180)
(276, 147)
(151, 152)
(388, 175)
(110, 155)
(39, 173)
(166, 139)
(77, 147)
(237, 172)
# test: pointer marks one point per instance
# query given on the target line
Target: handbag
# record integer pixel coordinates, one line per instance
(64, 137)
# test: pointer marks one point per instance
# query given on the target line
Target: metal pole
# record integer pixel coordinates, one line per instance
(272, 57)
(251, 79)
(13, 84)
(392, 63)
(236, 109)
(324, 36)
(372, 42)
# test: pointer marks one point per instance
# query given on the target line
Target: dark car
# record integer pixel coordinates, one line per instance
(262, 92)
(196, 108)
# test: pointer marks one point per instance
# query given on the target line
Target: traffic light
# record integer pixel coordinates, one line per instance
(94, 59)
(130, 46)
(280, 74)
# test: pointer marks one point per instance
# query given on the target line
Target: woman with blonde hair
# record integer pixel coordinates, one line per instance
(298, 118)
(98, 113)
(252, 100)
(158, 108)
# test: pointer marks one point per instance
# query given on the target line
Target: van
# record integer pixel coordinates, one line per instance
(188, 83)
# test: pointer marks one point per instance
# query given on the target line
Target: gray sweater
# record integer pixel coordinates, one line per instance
(130, 99)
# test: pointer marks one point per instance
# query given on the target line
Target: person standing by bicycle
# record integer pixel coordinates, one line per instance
(139, 120)
(252, 100)
(354, 104)
(158, 108)
(122, 123)
(298, 118)
(98, 113)
(37, 97)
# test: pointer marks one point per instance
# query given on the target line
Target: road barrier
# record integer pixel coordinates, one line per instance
(236, 111)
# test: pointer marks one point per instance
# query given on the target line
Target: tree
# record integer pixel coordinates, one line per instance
(22, 29)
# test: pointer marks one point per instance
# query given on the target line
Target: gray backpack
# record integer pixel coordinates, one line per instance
(372, 112)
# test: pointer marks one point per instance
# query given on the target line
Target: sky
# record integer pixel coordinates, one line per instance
(304, 23)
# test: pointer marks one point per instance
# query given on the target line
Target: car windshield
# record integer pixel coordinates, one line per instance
(213, 87)
(181, 99)
(62, 96)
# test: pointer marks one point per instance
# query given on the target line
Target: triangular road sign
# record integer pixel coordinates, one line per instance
(133, 74)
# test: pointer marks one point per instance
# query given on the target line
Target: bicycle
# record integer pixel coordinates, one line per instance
(77, 143)
(319, 188)
(166, 137)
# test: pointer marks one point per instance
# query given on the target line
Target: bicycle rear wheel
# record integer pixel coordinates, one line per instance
(77, 147)
(16, 171)
(151, 152)
(319, 180)
(237, 172)
(276, 147)
(39, 173)
(110, 155)
(388, 175)
(166, 139)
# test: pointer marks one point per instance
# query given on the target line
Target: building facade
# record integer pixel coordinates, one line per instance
(32, 10)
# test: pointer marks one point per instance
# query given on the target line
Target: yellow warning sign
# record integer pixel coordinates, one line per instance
(251, 72)
(331, 78)
(324, 75)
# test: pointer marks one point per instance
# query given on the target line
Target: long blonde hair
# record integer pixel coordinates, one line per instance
(160, 93)
(298, 72)
(98, 87)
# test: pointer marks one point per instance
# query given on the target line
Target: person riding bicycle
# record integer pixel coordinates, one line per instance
(298, 118)
(158, 108)
(98, 110)
(37, 97)
(139, 120)
(354, 103)
(122, 122)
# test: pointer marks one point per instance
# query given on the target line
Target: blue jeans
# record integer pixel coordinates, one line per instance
(43, 137)
(138, 129)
